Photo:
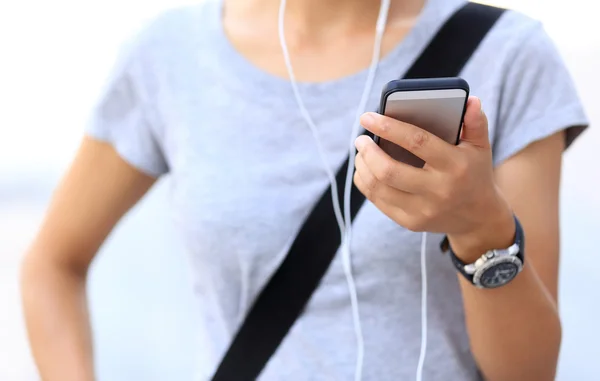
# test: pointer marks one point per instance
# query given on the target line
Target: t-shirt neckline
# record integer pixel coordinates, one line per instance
(433, 14)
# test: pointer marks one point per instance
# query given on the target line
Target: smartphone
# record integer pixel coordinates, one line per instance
(436, 105)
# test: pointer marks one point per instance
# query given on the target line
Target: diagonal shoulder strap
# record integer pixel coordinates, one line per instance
(286, 294)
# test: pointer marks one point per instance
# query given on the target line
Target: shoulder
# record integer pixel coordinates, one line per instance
(516, 53)
(170, 41)
(515, 35)
(172, 30)
(515, 26)
(526, 87)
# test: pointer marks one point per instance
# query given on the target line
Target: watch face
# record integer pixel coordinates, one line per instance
(499, 274)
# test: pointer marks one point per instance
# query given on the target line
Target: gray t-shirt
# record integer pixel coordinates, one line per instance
(244, 173)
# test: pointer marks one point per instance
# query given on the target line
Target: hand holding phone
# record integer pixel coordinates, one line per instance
(436, 105)
(454, 194)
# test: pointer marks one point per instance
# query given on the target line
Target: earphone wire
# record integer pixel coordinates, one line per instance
(313, 128)
(423, 352)
(346, 254)
(344, 221)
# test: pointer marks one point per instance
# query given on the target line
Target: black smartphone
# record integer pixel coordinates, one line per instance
(436, 105)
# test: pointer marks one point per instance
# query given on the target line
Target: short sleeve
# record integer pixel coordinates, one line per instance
(124, 116)
(538, 98)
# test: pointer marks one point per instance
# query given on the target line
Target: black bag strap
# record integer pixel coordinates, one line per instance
(286, 294)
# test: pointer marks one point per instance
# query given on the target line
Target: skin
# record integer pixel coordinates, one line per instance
(458, 190)
(459, 193)
(96, 191)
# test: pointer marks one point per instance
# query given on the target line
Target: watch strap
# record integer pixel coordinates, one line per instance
(519, 240)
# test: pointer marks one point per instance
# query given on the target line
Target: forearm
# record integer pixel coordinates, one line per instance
(514, 330)
(56, 314)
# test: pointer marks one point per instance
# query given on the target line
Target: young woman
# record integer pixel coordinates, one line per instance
(203, 94)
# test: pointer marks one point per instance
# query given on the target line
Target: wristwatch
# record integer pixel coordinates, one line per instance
(496, 267)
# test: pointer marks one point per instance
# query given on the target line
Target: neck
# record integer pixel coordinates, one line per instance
(316, 16)
(319, 14)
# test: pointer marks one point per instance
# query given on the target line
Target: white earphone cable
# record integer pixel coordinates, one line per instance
(380, 29)
(313, 128)
(346, 254)
(423, 351)
(344, 221)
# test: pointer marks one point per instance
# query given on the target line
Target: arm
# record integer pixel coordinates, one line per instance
(98, 189)
(526, 328)
(514, 330)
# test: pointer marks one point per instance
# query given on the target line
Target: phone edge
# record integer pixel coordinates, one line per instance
(424, 84)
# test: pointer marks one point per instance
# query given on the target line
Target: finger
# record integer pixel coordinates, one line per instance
(387, 200)
(378, 192)
(393, 173)
(367, 180)
(433, 150)
(475, 127)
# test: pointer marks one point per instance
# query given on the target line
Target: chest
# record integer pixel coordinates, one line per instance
(314, 57)
(245, 170)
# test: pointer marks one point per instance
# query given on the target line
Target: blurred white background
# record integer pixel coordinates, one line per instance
(55, 56)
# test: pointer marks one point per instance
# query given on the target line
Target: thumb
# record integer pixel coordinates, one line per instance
(475, 126)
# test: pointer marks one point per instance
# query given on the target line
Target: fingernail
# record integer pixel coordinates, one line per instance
(360, 142)
(367, 119)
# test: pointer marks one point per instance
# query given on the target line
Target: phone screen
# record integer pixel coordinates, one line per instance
(437, 111)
